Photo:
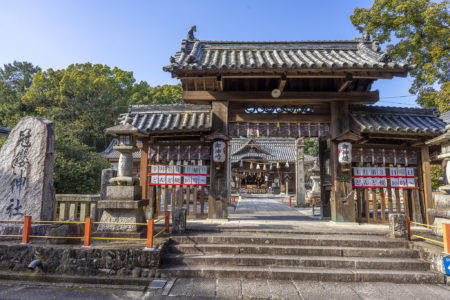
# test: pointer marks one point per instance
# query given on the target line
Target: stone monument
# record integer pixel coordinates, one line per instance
(441, 212)
(123, 203)
(26, 171)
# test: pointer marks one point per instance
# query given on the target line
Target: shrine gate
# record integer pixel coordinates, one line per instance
(288, 89)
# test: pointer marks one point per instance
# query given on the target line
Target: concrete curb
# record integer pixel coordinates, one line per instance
(61, 278)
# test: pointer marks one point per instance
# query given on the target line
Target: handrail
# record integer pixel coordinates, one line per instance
(427, 239)
(445, 234)
(425, 225)
(26, 232)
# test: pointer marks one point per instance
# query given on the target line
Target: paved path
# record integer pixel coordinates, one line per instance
(184, 288)
(269, 209)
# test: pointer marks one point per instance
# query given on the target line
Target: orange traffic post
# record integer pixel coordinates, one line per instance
(150, 224)
(26, 230)
(446, 236)
(408, 227)
(167, 215)
(87, 232)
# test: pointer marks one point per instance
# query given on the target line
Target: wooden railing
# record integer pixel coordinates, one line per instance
(76, 207)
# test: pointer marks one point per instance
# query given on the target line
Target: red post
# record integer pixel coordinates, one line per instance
(150, 234)
(87, 231)
(282, 199)
(26, 230)
(167, 216)
(446, 236)
(290, 201)
(232, 200)
(408, 227)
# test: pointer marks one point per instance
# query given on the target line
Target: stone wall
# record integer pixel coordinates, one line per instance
(82, 261)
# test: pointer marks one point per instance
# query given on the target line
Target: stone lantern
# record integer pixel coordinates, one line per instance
(315, 177)
(123, 203)
(441, 212)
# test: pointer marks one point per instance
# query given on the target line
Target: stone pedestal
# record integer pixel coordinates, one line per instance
(179, 220)
(441, 212)
(123, 204)
(397, 226)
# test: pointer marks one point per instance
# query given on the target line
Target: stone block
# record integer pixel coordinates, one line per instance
(64, 230)
(118, 192)
(26, 171)
(179, 220)
(122, 216)
(107, 174)
(397, 226)
(122, 204)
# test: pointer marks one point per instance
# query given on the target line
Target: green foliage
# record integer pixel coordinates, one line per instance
(419, 30)
(15, 78)
(311, 146)
(436, 176)
(82, 100)
(77, 168)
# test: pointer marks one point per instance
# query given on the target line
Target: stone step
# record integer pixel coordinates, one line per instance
(292, 250)
(297, 261)
(312, 274)
(364, 241)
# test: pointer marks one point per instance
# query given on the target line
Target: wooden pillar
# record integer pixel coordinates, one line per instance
(144, 169)
(342, 200)
(426, 174)
(218, 194)
(300, 173)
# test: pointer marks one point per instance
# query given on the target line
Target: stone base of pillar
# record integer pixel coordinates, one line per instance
(342, 208)
(397, 226)
(122, 216)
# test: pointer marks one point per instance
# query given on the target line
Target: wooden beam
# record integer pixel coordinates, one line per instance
(144, 169)
(289, 97)
(427, 191)
(345, 84)
(266, 118)
(282, 83)
(219, 81)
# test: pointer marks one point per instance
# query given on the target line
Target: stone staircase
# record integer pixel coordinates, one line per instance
(295, 256)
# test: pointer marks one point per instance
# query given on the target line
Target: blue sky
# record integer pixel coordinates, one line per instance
(140, 36)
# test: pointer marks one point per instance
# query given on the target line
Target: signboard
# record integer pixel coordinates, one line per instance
(446, 261)
(376, 177)
(174, 175)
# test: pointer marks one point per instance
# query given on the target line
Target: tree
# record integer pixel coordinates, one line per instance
(415, 30)
(15, 78)
(84, 99)
(77, 168)
(165, 94)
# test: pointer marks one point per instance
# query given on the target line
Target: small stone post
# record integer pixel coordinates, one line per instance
(300, 173)
(178, 220)
(397, 226)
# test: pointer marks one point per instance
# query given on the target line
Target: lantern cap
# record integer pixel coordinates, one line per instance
(217, 136)
(122, 129)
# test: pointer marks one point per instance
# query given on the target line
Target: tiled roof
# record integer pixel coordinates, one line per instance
(379, 119)
(445, 117)
(169, 118)
(280, 149)
(110, 153)
(224, 55)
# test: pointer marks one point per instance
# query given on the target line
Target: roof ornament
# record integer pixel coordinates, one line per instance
(365, 36)
(190, 34)
(376, 45)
